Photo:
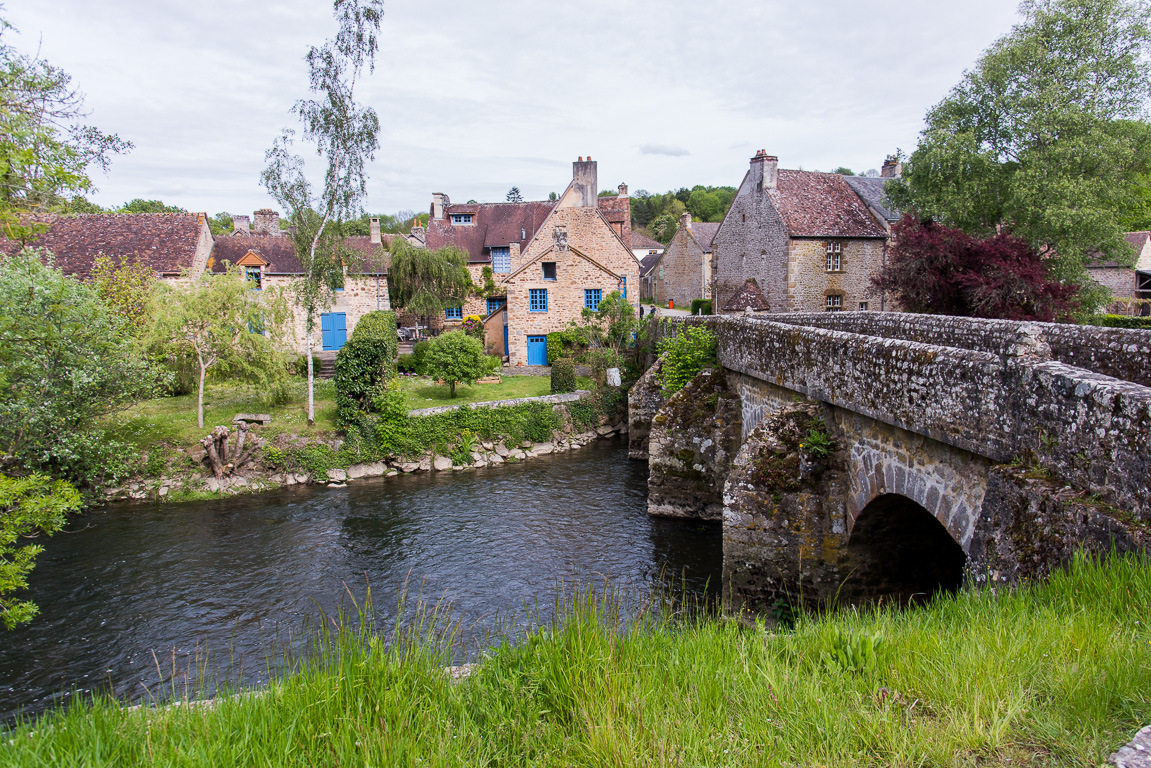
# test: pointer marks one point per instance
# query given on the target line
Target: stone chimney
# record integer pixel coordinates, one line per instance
(375, 231)
(439, 200)
(892, 168)
(586, 183)
(623, 190)
(765, 170)
(240, 224)
(685, 220)
(419, 233)
(266, 222)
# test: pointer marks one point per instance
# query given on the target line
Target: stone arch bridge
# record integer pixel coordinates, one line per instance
(859, 456)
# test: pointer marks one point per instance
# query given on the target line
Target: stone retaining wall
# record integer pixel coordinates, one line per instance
(567, 397)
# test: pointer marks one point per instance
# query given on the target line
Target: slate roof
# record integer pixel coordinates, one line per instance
(871, 190)
(704, 233)
(647, 263)
(494, 225)
(165, 241)
(640, 242)
(281, 255)
(822, 205)
(748, 296)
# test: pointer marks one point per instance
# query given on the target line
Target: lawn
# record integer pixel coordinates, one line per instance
(1052, 674)
(422, 393)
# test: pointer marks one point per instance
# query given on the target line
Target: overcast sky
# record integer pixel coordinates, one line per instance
(475, 97)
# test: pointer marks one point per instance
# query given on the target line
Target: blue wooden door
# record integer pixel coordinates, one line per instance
(505, 338)
(334, 330)
(537, 350)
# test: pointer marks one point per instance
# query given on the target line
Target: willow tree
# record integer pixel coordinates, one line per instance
(345, 135)
(426, 282)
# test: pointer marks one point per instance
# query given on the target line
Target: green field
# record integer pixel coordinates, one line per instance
(1054, 674)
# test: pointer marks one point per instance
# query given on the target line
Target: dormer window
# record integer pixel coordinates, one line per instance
(549, 268)
(834, 257)
(462, 218)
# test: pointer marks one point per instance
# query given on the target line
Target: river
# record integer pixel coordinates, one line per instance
(135, 598)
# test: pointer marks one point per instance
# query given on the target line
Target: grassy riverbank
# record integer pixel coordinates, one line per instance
(1052, 674)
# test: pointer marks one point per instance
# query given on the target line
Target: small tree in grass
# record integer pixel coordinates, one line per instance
(226, 327)
(455, 357)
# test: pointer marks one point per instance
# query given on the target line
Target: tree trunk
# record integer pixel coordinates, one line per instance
(452, 384)
(241, 435)
(200, 401)
(311, 385)
(213, 457)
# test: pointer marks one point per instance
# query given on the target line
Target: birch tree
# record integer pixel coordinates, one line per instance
(344, 135)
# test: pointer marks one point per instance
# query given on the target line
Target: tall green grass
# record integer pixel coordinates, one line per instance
(1057, 673)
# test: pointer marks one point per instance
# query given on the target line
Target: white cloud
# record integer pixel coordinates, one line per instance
(663, 149)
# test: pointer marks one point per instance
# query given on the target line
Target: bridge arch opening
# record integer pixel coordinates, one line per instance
(898, 552)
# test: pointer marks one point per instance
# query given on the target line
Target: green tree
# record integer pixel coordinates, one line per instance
(705, 206)
(844, 171)
(149, 206)
(345, 135)
(365, 361)
(45, 150)
(221, 224)
(226, 326)
(1044, 136)
(427, 282)
(29, 506)
(514, 195)
(455, 357)
(65, 361)
(124, 286)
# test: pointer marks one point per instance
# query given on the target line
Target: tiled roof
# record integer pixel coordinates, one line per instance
(647, 263)
(641, 242)
(165, 241)
(281, 254)
(495, 224)
(872, 191)
(748, 296)
(1137, 239)
(617, 210)
(704, 233)
(822, 205)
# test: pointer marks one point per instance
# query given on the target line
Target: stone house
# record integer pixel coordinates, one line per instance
(1130, 286)
(684, 271)
(809, 240)
(580, 253)
(269, 260)
(169, 243)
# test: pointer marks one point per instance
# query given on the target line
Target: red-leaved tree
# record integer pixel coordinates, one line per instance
(943, 271)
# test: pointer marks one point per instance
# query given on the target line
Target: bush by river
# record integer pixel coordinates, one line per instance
(1057, 673)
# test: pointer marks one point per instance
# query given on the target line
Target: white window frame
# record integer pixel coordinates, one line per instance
(834, 257)
(834, 302)
(462, 219)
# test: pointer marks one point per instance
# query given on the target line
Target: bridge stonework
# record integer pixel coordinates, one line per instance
(1022, 441)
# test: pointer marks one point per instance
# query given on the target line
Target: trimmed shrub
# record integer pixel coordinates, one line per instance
(701, 306)
(455, 358)
(406, 363)
(1120, 321)
(563, 376)
(420, 355)
(367, 358)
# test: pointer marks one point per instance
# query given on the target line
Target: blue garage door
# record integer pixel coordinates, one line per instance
(537, 350)
(334, 330)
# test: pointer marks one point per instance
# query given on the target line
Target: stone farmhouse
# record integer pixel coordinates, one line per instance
(684, 271)
(808, 239)
(176, 244)
(1130, 286)
(548, 260)
(169, 243)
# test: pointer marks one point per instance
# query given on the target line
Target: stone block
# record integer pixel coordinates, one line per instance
(337, 475)
(442, 463)
(543, 449)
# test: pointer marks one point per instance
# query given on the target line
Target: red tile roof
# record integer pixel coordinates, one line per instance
(617, 210)
(165, 241)
(822, 205)
(280, 253)
(748, 296)
(494, 225)
(1137, 239)
(642, 242)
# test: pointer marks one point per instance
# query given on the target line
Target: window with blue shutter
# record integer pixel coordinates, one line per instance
(454, 313)
(592, 297)
(538, 299)
(501, 261)
(623, 286)
(496, 303)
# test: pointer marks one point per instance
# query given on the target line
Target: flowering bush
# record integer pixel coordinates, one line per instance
(473, 326)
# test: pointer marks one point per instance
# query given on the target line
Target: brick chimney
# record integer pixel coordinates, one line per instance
(765, 170)
(439, 200)
(586, 183)
(685, 220)
(240, 224)
(375, 231)
(623, 190)
(266, 222)
(892, 168)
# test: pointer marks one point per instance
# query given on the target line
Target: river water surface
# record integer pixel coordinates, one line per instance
(218, 590)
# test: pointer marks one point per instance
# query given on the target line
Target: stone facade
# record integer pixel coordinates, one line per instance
(779, 230)
(684, 271)
(693, 439)
(644, 400)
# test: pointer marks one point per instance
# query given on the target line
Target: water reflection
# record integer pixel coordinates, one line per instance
(128, 594)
